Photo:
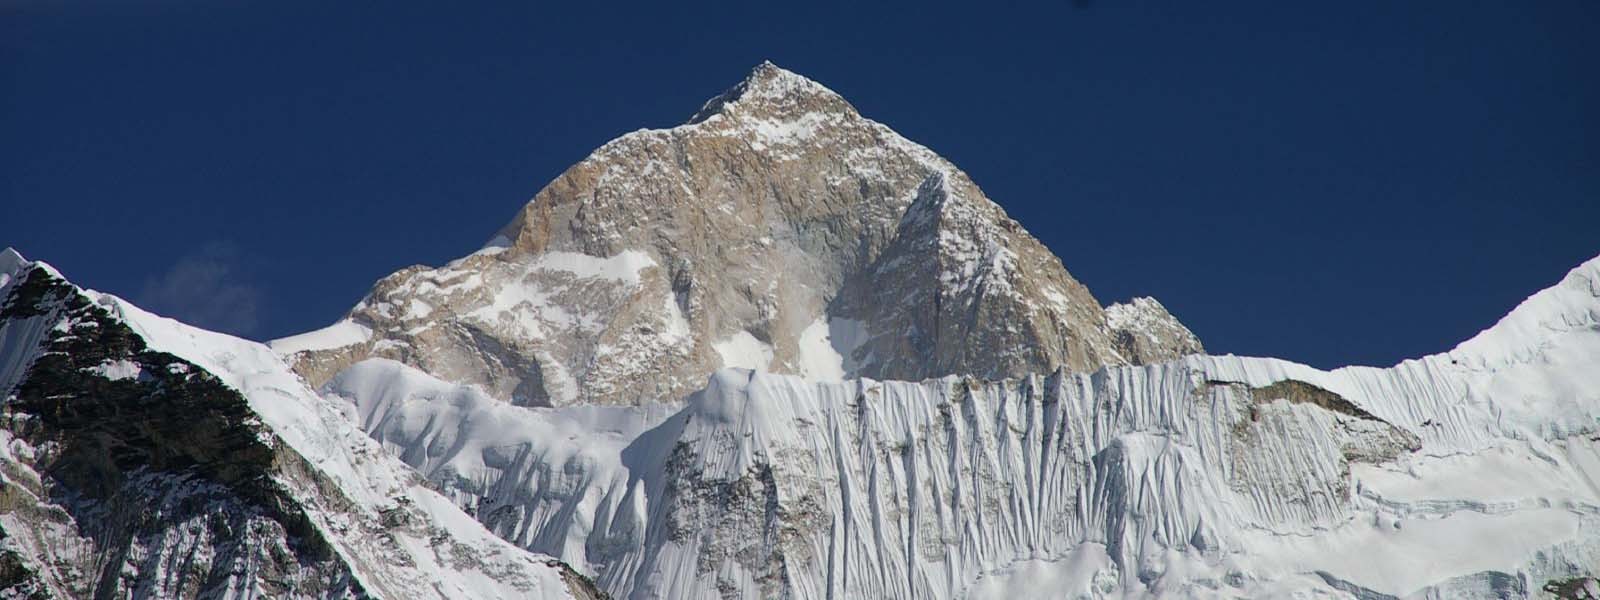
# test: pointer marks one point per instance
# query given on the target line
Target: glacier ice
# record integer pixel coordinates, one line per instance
(1463, 474)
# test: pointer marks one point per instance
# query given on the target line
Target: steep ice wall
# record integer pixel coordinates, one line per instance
(772, 485)
(1465, 474)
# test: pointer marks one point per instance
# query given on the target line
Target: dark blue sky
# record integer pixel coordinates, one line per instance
(1350, 183)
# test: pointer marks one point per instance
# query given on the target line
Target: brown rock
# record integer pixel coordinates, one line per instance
(778, 229)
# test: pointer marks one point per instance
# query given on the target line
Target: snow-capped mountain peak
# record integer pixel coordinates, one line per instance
(770, 91)
(1566, 306)
(779, 351)
(777, 230)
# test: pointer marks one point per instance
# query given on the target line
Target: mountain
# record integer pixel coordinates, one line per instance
(142, 458)
(1467, 474)
(924, 404)
(779, 352)
(777, 229)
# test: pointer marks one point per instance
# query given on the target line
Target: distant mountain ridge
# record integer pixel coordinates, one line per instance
(777, 229)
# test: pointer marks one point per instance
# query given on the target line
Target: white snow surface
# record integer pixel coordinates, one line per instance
(819, 359)
(744, 351)
(827, 346)
(11, 261)
(568, 460)
(338, 335)
(1163, 480)
(320, 432)
(416, 565)
(118, 369)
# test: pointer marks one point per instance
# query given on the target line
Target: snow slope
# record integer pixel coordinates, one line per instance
(1460, 475)
(389, 535)
(372, 480)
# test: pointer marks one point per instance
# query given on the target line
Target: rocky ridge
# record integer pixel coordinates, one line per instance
(779, 230)
(140, 458)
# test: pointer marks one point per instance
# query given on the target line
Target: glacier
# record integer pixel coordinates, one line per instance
(1466, 474)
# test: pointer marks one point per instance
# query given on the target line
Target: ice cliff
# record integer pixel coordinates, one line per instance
(1467, 474)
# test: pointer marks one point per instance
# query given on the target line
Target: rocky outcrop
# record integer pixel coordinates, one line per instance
(122, 445)
(778, 229)
(129, 471)
(1143, 331)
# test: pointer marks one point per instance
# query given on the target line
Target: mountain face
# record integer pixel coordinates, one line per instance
(1467, 474)
(779, 352)
(778, 230)
(145, 459)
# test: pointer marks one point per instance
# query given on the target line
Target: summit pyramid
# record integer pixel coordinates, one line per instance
(777, 229)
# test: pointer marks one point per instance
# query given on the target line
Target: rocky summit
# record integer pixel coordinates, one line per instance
(779, 351)
(778, 229)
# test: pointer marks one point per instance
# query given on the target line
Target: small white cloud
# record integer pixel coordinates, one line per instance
(205, 289)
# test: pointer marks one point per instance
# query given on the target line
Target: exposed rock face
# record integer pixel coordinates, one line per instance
(130, 472)
(777, 229)
(1144, 331)
(123, 444)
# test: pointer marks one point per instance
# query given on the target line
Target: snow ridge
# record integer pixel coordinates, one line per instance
(331, 492)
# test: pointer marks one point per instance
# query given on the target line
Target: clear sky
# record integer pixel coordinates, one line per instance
(1357, 182)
